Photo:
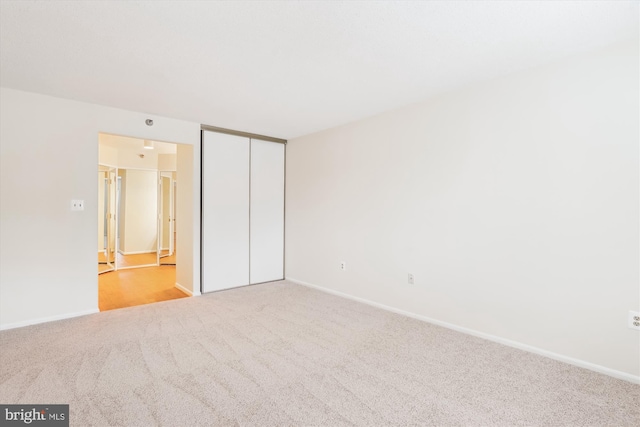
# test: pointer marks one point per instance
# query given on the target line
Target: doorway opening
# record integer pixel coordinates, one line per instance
(138, 237)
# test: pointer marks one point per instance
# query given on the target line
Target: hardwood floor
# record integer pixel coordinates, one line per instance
(169, 259)
(103, 258)
(102, 263)
(138, 286)
(103, 267)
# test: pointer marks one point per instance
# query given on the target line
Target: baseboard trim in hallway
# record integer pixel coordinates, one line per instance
(515, 344)
(187, 291)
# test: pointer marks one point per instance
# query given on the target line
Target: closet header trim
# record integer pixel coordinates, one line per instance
(245, 134)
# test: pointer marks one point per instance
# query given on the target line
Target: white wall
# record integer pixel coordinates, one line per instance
(187, 218)
(129, 159)
(141, 211)
(167, 162)
(107, 155)
(513, 202)
(48, 156)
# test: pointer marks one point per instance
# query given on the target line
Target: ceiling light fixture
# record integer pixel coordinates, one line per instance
(148, 145)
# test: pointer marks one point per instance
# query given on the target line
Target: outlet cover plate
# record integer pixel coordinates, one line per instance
(634, 320)
(77, 205)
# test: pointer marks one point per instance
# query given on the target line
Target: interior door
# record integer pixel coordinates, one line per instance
(105, 220)
(172, 219)
(174, 210)
(158, 216)
(225, 211)
(165, 232)
(267, 211)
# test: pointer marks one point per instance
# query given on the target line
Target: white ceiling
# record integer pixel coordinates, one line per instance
(286, 69)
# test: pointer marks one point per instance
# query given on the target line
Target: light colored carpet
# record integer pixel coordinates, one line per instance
(283, 354)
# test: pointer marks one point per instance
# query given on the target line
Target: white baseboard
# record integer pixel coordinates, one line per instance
(187, 291)
(515, 344)
(48, 319)
(136, 252)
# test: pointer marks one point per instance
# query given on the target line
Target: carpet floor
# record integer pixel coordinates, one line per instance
(283, 354)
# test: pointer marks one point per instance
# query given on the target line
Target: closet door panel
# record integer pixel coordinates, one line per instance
(225, 211)
(267, 211)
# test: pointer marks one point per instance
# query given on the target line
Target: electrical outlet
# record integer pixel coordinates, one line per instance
(634, 320)
(343, 266)
(410, 279)
(77, 205)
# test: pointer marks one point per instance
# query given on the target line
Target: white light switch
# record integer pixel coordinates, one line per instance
(77, 205)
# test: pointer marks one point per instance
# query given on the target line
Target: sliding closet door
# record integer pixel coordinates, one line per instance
(267, 211)
(225, 211)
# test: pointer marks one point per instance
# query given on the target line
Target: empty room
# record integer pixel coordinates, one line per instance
(366, 213)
